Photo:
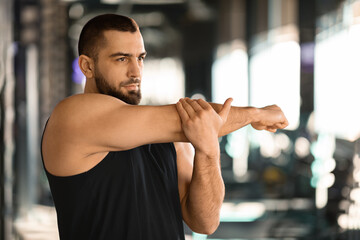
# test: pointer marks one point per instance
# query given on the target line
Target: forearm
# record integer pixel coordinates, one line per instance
(238, 117)
(166, 122)
(201, 210)
(268, 118)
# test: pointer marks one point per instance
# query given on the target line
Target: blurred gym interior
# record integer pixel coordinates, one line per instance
(303, 55)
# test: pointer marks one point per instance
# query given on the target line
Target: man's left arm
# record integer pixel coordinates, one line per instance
(202, 189)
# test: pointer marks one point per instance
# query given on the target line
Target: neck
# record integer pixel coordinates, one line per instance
(90, 86)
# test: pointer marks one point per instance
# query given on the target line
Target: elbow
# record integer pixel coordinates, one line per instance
(207, 228)
(211, 229)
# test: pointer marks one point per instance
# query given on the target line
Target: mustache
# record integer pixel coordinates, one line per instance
(130, 81)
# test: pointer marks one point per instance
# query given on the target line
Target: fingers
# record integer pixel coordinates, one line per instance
(205, 105)
(273, 130)
(277, 126)
(182, 112)
(193, 107)
(188, 107)
(194, 104)
(286, 123)
(224, 112)
(280, 125)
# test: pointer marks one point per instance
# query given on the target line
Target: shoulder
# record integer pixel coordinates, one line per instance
(80, 106)
(86, 101)
(74, 118)
(76, 115)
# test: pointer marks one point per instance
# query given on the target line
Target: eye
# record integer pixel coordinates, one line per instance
(122, 59)
(141, 58)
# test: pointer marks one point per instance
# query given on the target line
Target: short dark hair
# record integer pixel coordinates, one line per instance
(92, 34)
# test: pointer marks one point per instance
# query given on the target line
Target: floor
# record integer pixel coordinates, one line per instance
(257, 220)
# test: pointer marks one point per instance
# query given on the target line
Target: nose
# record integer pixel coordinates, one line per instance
(135, 69)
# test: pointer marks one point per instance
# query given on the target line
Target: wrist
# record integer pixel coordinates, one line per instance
(211, 153)
(253, 115)
(205, 164)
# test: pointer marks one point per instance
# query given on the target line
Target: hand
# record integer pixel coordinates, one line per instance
(201, 123)
(270, 118)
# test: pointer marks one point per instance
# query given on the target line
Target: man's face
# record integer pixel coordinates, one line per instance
(119, 66)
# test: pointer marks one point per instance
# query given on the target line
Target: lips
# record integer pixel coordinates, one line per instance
(134, 86)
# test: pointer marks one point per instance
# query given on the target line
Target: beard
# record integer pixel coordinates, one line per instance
(131, 97)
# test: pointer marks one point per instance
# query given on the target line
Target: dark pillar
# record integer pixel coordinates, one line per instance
(307, 17)
(198, 44)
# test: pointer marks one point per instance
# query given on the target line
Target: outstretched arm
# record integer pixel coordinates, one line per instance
(99, 123)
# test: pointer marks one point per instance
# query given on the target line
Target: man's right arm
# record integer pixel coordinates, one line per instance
(100, 123)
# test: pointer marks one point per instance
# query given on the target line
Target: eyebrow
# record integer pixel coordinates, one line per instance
(117, 54)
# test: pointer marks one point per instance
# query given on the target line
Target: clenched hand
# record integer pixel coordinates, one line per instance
(270, 118)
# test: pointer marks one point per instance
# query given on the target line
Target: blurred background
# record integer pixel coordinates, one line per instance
(304, 55)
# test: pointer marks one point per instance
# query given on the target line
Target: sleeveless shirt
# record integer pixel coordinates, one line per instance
(130, 194)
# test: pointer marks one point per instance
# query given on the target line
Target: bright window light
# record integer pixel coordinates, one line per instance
(230, 79)
(337, 84)
(242, 212)
(163, 81)
(275, 79)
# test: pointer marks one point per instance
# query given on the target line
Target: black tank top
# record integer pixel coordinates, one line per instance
(130, 194)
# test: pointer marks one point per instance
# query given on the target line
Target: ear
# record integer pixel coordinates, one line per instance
(87, 66)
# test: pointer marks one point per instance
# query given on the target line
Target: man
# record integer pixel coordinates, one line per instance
(112, 167)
